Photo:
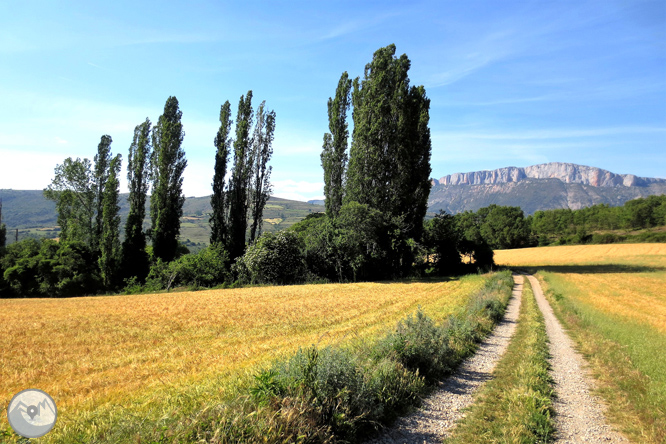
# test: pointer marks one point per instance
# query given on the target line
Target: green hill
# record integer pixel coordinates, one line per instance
(34, 216)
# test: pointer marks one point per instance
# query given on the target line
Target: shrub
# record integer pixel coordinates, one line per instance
(276, 258)
(420, 346)
(207, 268)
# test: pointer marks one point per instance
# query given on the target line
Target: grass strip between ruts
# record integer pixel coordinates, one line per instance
(516, 405)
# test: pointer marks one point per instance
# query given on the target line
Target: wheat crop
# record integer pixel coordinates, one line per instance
(91, 351)
(624, 280)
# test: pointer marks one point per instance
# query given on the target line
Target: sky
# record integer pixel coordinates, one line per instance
(511, 83)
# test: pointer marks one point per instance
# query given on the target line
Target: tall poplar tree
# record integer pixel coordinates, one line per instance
(102, 162)
(109, 245)
(240, 178)
(219, 202)
(262, 151)
(135, 261)
(389, 162)
(168, 163)
(334, 153)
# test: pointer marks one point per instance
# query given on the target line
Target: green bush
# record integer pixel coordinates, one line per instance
(207, 268)
(276, 258)
(605, 238)
(420, 346)
(47, 268)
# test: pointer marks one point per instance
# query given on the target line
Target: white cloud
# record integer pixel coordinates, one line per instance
(354, 26)
(23, 170)
(298, 190)
(290, 142)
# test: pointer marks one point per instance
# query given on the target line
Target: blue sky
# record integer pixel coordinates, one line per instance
(511, 83)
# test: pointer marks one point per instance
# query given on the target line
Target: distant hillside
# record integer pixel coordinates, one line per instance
(28, 211)
(539, 187)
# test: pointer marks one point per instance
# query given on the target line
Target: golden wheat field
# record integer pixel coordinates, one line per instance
(627, 280)
(89, 351)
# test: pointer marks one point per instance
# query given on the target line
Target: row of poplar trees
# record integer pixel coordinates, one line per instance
(388, 165)
(87, 193)
(87, 198)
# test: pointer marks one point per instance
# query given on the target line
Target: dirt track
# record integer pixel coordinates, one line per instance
(435, 419)
(579, 415)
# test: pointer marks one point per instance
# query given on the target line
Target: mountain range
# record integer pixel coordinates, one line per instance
(540, 187)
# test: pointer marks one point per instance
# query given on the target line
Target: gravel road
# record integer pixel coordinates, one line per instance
(439, 412)
(579, 416)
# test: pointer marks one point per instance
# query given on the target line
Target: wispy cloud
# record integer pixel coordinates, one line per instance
(522, 32)
(10, 44)
(503, 101)
(558, 133)
(288, 142)
(298, 190)
(351, 26)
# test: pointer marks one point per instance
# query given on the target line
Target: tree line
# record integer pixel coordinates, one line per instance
(506, 227)
(89, 256)
(591, 225)
(377, 182)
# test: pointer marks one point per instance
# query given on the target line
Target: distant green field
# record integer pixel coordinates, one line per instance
(35, 217)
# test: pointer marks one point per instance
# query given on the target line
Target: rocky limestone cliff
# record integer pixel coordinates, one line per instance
(565, 172)
(539, 187)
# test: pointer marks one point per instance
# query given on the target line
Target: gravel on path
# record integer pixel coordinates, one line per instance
(579, 416)
(434, 420)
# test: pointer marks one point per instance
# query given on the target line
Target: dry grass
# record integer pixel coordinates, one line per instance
(87, 352)
(626, 280)
(630, 254)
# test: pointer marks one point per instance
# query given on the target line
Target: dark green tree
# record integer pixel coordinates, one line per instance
(241, 175)
(109, 260)
(73, 192)
(389, 161)
(47, 268)
(102, 163)
(168, 163)
(262, 151)
(135, 261)
(442, 241)
(334, 153)
(504, 227)
(218, 201)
